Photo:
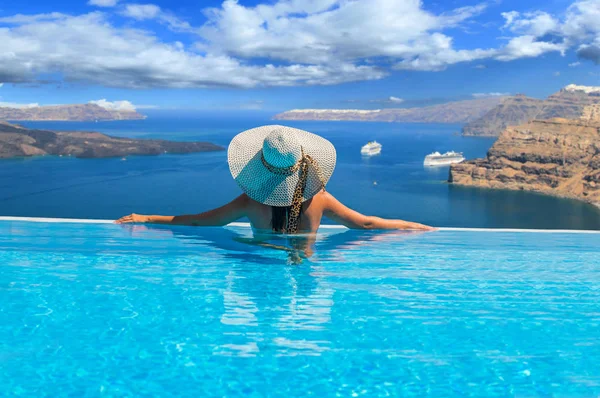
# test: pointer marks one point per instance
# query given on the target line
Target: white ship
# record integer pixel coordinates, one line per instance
(448, 158)
(370, 149)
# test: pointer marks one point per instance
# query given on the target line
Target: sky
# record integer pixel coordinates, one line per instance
(284, 54)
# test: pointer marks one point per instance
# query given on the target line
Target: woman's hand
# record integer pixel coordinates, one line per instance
(133, 218)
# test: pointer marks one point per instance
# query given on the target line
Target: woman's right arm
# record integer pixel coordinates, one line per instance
(344, 215)
(223, 215)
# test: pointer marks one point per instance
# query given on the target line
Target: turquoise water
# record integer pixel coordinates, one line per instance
(394, 184)
(107, 310)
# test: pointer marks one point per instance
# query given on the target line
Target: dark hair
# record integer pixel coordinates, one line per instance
(279, 218)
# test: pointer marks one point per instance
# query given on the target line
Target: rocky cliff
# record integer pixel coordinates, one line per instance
(558, 156)
(17, 141)
(568, 103)
(78, 112)
(451, 112)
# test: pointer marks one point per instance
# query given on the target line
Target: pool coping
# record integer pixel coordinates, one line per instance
(323, 226)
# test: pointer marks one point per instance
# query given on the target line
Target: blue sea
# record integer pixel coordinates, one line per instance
(393, 184)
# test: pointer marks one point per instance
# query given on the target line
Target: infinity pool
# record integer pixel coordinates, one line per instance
(108, 310)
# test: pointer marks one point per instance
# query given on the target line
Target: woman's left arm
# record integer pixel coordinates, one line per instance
(223, 215)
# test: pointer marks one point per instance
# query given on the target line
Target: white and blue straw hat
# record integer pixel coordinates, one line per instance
(267, 162)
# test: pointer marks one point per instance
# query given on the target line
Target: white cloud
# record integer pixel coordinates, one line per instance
(330, 31)
(20, 19)
(578, 28)
(533, 23)
(527, 47)
(141, 11)
(115, 105)
(581, 22)
(492, 94)
(280, 43)
(556, 74)
(103, 3)
(574, 64)
(124, 57)
(18, 105)
(396, 100)
(1, 84)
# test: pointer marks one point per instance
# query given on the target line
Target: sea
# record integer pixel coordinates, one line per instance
(394, 184)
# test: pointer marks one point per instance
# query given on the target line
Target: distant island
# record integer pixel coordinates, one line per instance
(568, 103)
(451, 112)
(558, 156)
(18, 141)
(77, 112)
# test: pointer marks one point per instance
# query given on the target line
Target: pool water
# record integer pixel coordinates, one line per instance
(108, 310)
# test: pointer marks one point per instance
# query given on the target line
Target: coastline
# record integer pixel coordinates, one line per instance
(520, 189)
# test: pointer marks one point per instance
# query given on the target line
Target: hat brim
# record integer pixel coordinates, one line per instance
(249, 172)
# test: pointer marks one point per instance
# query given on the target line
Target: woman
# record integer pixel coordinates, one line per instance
(283, 172)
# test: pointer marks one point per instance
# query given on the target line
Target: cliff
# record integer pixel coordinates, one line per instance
(17, 141)
(451, 112)
(568, 103)
(78, 112)
(558, 157)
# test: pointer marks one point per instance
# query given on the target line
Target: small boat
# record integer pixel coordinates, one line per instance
(448, 158)
(370, 149)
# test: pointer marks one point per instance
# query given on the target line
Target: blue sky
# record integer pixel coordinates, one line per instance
(282, 54)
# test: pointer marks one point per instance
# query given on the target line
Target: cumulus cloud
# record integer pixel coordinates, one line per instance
(492, 94)
(132, 58)
(543, 32)
(533, 23)
(527, 46)
(330, 30)
(279, 43)
(141, 11)
(115, 105)
(103, 3)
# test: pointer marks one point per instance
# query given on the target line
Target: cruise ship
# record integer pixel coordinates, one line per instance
(448, 158)
(370, 149)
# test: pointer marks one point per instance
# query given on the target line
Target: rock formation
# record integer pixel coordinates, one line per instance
(78, 112)
(451, 112)
(558, 156)
(17, 141)
(568, 103)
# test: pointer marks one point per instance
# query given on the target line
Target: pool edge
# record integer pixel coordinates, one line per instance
(323, 226)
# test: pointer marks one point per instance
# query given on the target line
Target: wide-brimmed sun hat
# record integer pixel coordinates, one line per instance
(272, 164)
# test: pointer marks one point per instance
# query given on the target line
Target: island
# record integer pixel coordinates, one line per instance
(76, 112)
(18, 141)
(557, 156)
(568, 103)
(450, 112)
